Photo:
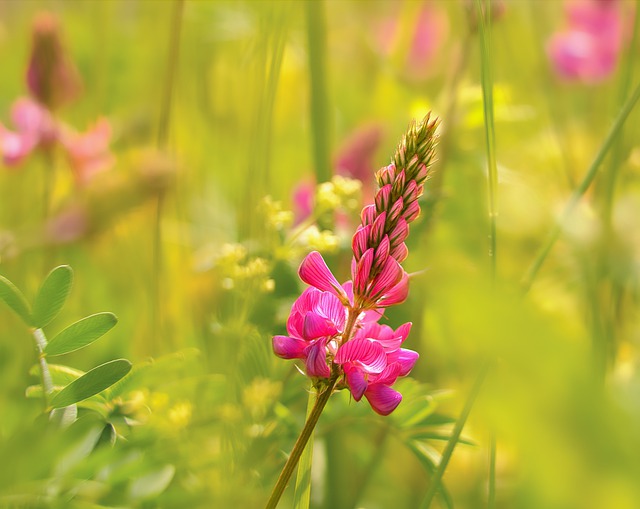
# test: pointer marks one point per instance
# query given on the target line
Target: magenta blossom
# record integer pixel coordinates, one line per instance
(334, 327)
(589, 48)
(371, 361)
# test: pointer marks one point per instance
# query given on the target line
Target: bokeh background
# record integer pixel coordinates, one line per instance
(181, 185)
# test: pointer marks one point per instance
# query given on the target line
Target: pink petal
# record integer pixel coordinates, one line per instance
(316, 326)
(388, 376)
(382, 399)
(15, 146)
(368, 214)
(399, 182)
(396, 210)
(382, 197)
(314, 271)
(363, 271)
(316, 362)
(400, 252)
(377, 231)
(382, 253)
(333, 309)
(405, 358)
(404, 330)
(289, 348)
(360, 241)
(390, 275)
(411, 211)
(386, 175)
(356, 381)
(368, 354)
(397, 294)
(399, 232)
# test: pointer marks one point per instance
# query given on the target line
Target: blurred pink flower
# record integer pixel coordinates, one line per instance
(36, 128)
(588, 49)
(430, 30)
(88, 152)
(303, 196)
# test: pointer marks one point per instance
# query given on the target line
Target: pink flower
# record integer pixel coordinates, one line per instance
(429, 32)
(35, 128)
(303, 196)
(89, 152)
(316, 317)
(334, 328)
(372, 362)
(589, 48)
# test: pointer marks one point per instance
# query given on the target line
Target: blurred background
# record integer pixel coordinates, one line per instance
(183, 156)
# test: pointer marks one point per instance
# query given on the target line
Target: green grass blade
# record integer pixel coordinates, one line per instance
(436, 480)
(554, 234)
(14, 299)
(303, 476)
(52, 295)
(489, 125)
(81, 333)
(317, 39)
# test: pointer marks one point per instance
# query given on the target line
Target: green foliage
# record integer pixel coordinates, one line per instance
(52, 295)
(92, 382)
(14, 299)
(81, 333)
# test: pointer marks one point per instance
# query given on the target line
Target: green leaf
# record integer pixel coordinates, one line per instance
(14, 299)
(60, 375)
(93, 382)
(81, 333)
(52, 295)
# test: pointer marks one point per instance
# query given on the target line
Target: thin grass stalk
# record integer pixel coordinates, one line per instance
(484, 17)
(623, 92)
(555, 231)
(161, 141)
(302, 493)
(319, 102)
(436, 480)
(484, 26)
(491, 503)
(258, 178)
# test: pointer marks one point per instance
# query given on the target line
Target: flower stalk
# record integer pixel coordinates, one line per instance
(334, 327)
(301, 442)
(45, 374)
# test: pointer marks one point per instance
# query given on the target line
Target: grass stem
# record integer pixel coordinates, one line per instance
(555, 231)
(455, 436)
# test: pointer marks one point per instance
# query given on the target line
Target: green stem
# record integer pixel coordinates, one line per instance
(45, 374)
(489, 126)
(162, 139)
(301, 442)
(316, 31)
(312, 420)
(455, 436)
(492, 471)
(623, 92)
(554, 234)
(303, 477)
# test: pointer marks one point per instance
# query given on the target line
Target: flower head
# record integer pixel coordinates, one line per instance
(334, 328)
